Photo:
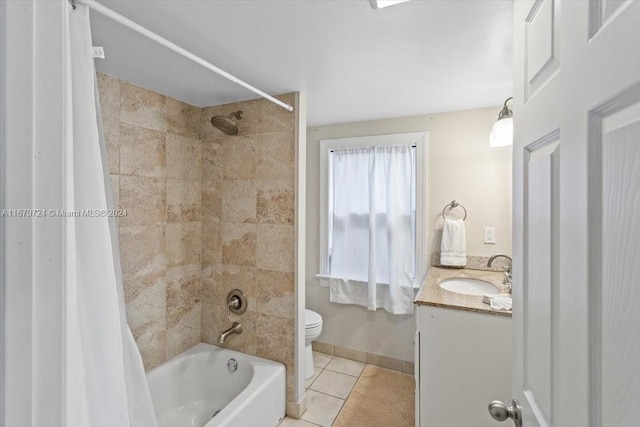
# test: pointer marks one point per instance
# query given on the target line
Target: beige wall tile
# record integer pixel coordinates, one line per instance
(148, 307)
(138, 284)
(183, 330)
(275, 201)
(184, 203)
(212, 161)
(146, 315)
(145, 200)
(215, 321)
(246, 125)
(183, 289)
(111, 129)
(142, 151)
(141, 107)
(239, 244)
(273, 118)
(152, 343)
(275, 155)
(238, 201)
(239, 157)
(211, 243)
(184, 157)
(109, 93)
(211, 200)
(142, 251)
(276, 247)
(115, 190)
(184, 244)
(275, 293)
(236, 277)
(183, 119)
(275, 338)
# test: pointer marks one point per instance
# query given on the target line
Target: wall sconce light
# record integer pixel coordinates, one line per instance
(502, 132)
(379, 4)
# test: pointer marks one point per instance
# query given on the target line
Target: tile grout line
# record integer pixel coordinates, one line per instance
(349, 395)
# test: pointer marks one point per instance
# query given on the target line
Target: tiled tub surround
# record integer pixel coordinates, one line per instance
(432, 294)
(206, 213)
(154, 151)
(249, 231)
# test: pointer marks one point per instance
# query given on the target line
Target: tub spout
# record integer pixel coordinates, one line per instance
(236, 328)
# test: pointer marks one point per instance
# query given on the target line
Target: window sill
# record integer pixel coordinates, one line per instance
(324, 280)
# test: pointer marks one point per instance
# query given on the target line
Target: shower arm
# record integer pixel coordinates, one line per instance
(92, 4)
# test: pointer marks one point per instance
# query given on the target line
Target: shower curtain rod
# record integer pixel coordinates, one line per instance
(174, 47)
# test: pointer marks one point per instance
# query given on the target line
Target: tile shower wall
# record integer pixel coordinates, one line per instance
(207, 213)
(155, 160)
(248, 238)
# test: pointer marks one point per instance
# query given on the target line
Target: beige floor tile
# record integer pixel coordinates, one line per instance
(320, 359)
(321, 409)
(334, 384)
(345, 366)
(292, 422)
(310, 381)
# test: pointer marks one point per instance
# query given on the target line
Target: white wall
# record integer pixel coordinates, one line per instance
(461, 166)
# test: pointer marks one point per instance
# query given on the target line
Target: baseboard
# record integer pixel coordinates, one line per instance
(297, 409)
(404, 366)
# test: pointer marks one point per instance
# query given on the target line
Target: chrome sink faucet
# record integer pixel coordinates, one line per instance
(236, 328)
(507, 272)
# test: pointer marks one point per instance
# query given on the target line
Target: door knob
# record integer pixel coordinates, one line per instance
(499, 411)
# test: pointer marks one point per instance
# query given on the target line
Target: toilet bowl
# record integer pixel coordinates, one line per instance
(313, 327)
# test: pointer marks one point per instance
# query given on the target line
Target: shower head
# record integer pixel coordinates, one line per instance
(226, 124)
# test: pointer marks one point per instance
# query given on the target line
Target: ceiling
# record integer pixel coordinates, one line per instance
(354, 63)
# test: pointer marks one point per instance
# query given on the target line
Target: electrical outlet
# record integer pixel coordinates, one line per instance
(490, 235)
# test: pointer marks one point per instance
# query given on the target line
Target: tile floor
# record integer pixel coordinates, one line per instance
(327, 390)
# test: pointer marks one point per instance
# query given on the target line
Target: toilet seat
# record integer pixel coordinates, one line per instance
(312, 319)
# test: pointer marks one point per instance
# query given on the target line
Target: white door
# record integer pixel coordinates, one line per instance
(576, 360)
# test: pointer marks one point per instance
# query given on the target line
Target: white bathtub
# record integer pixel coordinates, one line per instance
(188, 390)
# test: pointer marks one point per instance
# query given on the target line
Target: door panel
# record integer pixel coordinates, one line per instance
(615, 339)
(540, 281)
(541, 48)
(576, 216)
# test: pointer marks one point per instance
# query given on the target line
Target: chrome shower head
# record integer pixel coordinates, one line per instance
(226, 124)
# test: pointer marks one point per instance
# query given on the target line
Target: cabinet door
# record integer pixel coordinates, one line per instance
(462, 366)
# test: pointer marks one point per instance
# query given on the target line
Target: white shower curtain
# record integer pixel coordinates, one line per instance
(105, 383)
(373, 228)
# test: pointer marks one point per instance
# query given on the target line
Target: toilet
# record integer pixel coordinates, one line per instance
(313, 327)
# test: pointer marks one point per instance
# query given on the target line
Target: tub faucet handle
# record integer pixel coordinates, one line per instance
(234, 303)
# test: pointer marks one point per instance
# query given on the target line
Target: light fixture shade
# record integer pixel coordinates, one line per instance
(379, 4)
(502, 133)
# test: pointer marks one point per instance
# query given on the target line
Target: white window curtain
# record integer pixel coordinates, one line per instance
(105, 383)
(372, 223)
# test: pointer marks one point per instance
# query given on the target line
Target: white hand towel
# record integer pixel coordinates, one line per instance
(453, 248)
(501, 303)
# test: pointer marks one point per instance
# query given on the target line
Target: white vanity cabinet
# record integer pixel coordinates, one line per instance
(463, 361)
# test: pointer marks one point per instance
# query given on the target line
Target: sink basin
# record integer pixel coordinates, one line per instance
(466, 286)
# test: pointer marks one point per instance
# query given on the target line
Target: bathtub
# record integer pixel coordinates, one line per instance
(215, 387)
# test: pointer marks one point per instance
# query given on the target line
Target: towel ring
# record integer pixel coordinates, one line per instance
(454, 204)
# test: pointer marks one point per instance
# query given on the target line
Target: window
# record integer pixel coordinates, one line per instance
(373, 206)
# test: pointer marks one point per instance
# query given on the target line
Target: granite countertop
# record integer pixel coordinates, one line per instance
(432, 294)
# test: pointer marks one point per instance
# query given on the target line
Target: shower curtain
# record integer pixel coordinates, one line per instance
(105, 383)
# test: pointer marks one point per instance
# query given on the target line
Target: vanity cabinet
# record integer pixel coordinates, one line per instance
(463, 361)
